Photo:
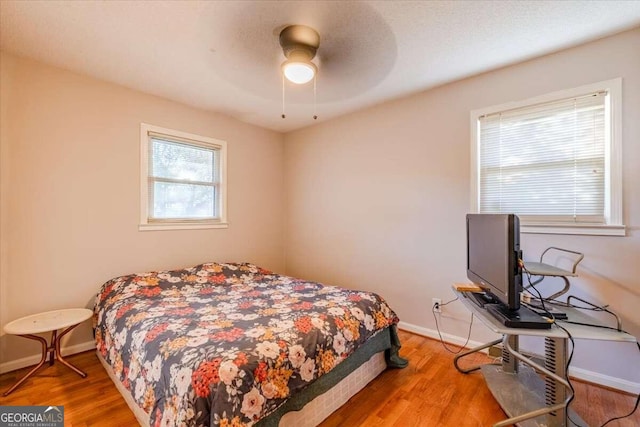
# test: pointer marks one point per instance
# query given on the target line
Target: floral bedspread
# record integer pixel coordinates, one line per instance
(226, 344)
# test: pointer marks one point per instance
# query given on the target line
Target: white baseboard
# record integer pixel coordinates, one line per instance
(578, 373)
(605, 380)
(432, 333)
(12, 365)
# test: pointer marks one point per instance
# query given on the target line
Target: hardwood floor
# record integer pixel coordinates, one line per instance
(429, 392)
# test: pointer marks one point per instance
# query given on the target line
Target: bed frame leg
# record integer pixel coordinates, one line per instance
(392, 354)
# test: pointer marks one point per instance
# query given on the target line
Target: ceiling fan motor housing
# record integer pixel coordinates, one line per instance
(299, 42)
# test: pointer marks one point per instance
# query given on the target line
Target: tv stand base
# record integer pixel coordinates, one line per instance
(523, 393)
(531, 401)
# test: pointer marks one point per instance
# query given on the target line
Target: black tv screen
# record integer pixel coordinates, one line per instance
(493, 250)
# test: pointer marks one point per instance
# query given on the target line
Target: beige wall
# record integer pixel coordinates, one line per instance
(377, 199)
(70, 192)
(374, 200)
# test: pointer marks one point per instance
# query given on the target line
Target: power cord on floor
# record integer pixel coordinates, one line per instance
(566, 368)
(542, 301)
(438, 306)
(573, 390)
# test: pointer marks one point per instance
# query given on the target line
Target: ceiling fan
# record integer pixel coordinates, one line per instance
(299, 44)
(259, 42)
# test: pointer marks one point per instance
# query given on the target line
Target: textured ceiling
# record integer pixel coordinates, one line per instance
(224, 56)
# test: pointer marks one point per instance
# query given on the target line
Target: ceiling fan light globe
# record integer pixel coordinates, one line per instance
(299, 72)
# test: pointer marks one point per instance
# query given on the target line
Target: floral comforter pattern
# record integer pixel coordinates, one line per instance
(226, 344)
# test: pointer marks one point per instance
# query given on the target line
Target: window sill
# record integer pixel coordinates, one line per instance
(182, 226)
(578, 229)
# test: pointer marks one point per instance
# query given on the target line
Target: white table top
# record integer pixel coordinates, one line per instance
(48, 321)
(577, 331)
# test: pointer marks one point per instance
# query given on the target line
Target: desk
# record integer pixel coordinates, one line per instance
(50, 321)
(526, 398)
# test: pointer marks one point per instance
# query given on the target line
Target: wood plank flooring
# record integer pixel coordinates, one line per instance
(429, 392)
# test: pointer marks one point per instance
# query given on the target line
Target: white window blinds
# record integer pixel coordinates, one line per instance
(546, 162)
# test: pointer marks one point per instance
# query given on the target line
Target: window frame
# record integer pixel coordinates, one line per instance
(148, 131)
(613, 225)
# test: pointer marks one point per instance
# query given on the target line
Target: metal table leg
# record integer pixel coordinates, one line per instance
(468, 352)
(557, 389)
(32, 371)
(53, 350)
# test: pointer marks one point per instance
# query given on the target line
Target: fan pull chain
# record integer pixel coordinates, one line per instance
(315, 97)
(283, 115)
(315, 79)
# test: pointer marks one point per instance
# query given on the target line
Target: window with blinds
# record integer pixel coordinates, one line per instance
(182, 181)
(550, 161)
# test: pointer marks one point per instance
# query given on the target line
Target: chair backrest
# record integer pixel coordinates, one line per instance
(562, 258)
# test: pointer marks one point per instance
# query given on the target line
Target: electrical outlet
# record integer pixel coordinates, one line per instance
(437, 301)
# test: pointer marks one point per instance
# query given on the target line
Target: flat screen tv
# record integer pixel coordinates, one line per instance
(493, 251)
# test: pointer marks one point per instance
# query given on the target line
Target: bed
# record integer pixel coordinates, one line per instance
(234, 344)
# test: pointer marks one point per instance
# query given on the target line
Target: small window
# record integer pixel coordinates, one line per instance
(182, 180)
(554, 161)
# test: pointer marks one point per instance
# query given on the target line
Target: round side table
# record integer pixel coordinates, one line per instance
(50, 321)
